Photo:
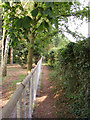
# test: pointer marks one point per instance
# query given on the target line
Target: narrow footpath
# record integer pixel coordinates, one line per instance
(45, 107)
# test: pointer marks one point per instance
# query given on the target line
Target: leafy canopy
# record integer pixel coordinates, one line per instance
(19, 21)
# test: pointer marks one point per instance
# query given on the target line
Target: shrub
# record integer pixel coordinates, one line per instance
(72, 64)
(51, 57)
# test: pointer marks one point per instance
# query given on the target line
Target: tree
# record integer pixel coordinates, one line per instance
(43, 20)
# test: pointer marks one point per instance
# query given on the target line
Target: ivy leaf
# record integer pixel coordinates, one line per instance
(34, 12)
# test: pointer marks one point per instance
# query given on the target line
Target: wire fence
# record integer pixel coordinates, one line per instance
(22, 103)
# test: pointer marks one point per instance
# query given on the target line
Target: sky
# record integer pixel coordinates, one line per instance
(83, 29)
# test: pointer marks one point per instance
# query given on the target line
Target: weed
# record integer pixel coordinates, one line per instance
(58, 114)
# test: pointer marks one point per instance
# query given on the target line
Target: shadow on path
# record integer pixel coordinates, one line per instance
(45, 106)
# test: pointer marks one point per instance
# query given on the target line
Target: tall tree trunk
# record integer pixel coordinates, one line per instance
(3, 38)
(4, 66)
(30, 49)
(11, 55)
(30, 53)
(3, 45)
(2, 56)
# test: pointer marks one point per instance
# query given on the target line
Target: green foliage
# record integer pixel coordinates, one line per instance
(51, 56)
(20, 53)
(73, 67)
(58, 42)
(19, 21)
(34, 12)
(23, 22)
(43, 25)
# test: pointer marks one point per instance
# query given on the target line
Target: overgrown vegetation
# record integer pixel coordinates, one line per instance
(36, 23)
(58, 42)
(72, 67)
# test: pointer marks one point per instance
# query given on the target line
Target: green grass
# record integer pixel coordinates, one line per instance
(45, 64)
(12, 89)
(58, 114)
(53, 75)
(12, 69)
(21, 78)
(5, 78)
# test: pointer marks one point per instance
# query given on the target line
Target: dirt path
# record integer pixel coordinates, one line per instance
(45, 106)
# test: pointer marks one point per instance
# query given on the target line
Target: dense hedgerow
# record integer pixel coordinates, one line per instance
(72, 64)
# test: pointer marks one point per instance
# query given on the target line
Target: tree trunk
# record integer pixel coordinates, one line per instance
(11, 56)
(3, 38)
(31, 44)
(30, 53)
(4, 66)
(3, 46)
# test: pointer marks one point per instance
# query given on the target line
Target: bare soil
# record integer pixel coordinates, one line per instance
(9, 82)
(45, 106)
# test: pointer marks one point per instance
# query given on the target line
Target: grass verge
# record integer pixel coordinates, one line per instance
(61, 102)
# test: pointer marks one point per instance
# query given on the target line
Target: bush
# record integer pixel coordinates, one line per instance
(51, 57)
(72, 64)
